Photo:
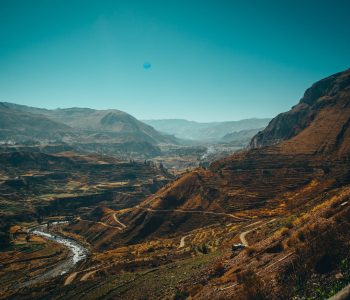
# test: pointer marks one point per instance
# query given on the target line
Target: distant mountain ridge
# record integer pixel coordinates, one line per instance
(106, 131)
(242, 136)
(211, 131)
(19, 125)
(110, 120)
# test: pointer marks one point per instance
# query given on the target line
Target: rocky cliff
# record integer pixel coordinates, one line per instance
(318, 123)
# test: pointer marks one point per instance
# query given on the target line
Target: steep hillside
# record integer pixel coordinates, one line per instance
(287, 204)
(256, 181)
(32, 182)
(18, 126)
(319, 123)
(271, 222)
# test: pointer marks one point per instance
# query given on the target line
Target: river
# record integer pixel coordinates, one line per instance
(77, 253)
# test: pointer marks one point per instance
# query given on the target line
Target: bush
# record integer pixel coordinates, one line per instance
(219, 269)
(194, 289)
(285, 231)
(301, 236)
(276, 248)
(4, 241)
(250, 251)
(253, 286)
(203, 249)
(180, 295)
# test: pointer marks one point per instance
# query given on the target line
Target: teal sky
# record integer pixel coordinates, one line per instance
(198, 60)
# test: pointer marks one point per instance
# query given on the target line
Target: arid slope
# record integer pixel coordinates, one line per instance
(254, 182)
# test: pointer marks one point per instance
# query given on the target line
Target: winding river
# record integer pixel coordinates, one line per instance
(77, 253)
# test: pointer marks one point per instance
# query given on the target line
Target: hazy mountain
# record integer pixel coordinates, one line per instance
(240, 137)
(104, 131)
(21, 126)
(212, 131)
(114, 123)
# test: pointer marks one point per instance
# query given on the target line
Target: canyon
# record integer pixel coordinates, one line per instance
(267, 222)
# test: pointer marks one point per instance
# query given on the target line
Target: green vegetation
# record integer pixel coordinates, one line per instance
(28, 247)
(157, 283)
(203, 249)
(326, 291)
(180, 295)
(4, 241)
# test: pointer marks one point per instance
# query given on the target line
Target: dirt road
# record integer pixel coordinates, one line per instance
(116, 219)
(194, 211)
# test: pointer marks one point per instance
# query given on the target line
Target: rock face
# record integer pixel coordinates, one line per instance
(307, 145)
(319, 123)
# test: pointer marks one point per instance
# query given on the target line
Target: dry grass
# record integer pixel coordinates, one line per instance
(250, 250)
(253, 286)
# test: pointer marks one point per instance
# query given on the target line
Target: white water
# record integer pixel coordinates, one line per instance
(79, 252)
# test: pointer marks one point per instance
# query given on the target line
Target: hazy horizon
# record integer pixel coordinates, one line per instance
(220, 61)
(161, 119)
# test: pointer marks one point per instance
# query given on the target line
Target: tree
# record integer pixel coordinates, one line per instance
(28, 238)
(4, 240)
(40, 219)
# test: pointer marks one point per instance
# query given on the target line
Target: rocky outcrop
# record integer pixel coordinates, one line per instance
(321, 119)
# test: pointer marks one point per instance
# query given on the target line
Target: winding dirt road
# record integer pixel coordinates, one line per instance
(116, 219)
(243, 234)
(182, 241)
(101, 223)
(194, 211)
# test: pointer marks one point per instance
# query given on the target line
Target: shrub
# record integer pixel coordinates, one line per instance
(4, 240)
(194, 289)
(203, 249)
(219, 269)
(250, 251)
(253, 286)
(180, 295)
(277, 248)
(301, 236)
(284, 231)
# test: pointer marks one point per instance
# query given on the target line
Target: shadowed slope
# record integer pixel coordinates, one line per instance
(318, 124)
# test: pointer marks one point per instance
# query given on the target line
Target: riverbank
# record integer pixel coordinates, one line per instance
(77, 253)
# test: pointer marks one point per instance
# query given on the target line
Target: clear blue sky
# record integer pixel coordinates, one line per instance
(199, 60)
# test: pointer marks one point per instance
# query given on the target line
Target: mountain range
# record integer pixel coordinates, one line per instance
(271, 221)
(109, 131)
(113, 131)
(212, 131)
(298, 167)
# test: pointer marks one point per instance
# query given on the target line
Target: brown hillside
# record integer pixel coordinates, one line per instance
(318, 124)
(255, 182)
